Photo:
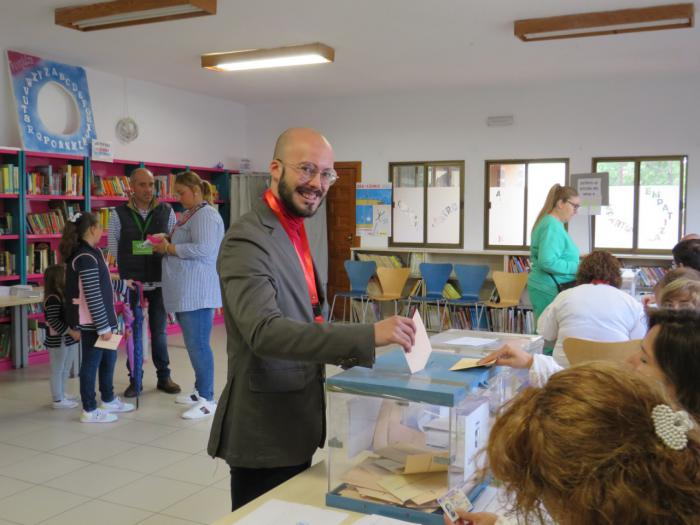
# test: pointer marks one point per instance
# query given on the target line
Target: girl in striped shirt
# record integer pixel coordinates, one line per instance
(61, 340)
(90, 307)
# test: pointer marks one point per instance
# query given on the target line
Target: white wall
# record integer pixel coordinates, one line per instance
(578, 121)
(175, 126)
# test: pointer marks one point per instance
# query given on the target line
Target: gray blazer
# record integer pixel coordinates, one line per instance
(272, 410)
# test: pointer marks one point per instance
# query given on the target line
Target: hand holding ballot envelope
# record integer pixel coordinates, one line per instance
(395, 330)
(507, 355)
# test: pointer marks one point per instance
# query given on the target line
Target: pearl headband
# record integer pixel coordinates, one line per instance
(671, 427)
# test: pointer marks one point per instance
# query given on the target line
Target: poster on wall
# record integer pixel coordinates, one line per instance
(593, 189)
(373, 210)
(408, 215)
(35, 83)
(443, 215)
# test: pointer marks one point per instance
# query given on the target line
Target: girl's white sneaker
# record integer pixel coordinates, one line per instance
(189, 399)
(97, 416)
(117, 405)
(65, 403)
(202, 409)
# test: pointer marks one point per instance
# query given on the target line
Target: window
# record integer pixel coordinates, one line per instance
(515, 193)
(427, 203)
(647, 203)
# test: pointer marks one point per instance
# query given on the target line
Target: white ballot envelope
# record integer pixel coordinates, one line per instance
(418, 357)
(112, 344)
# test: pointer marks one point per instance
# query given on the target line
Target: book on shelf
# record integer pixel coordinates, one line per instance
(111, 260)
(59, 180)
(518, 264)
(5, 341)
(514, 320)
(37, 335)
(117, 186)
(103, 215)
(39, 257)
(65, 208)
(45, 223)
(8, 264)
(9, 178)
(383, 261)
(6, 226)
(650, 275)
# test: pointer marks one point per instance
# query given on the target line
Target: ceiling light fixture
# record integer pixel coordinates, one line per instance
(118, 13)
(605, 22)
(316, 53)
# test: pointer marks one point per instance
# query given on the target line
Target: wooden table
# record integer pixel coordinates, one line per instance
(308, 488)
(20, 328)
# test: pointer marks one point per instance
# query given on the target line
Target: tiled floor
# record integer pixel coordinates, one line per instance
(149, 468)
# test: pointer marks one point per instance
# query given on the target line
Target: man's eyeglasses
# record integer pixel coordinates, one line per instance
(308, 170)
(576, 206)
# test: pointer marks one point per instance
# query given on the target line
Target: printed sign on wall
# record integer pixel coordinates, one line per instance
(372, 210)
(33, 75)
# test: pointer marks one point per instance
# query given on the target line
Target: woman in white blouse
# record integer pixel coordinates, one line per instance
(596, 309)
(191, 284)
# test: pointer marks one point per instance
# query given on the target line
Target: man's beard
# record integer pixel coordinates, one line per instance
(286, 196)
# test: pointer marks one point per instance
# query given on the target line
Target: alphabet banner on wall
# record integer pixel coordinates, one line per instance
(66, 124)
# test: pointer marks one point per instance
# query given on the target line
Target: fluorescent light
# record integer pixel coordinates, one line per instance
(119, 13)
(268, 58)
(605, 22)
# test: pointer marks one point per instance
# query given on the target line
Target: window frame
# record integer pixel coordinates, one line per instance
(426, 165)
(682, 208)
(487, 202)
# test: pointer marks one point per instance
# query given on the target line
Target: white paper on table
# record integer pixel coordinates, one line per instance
(470, 341)
(278, 512)
(375, 519)
(418, 357)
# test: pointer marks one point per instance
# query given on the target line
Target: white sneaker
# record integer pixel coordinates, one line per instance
(65, 403)
(70, 397)
(189, 399)
(202, 409)
(117, 405)
(97, 416)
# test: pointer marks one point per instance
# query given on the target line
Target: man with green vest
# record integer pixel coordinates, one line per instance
(129, 224)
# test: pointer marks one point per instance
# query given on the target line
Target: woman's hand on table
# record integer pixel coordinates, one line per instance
(472, 518)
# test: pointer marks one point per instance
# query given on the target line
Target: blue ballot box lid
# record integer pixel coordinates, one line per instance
(390, 377)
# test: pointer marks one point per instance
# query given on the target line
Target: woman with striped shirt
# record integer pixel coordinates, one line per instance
(61, 340)
(90, 306)
(191, 284)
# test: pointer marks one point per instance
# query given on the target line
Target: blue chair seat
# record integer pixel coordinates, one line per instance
(359, 274)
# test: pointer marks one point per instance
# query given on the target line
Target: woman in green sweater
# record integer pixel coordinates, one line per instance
(553, 254)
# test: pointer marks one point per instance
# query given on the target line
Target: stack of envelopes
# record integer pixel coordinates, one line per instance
(401, 474)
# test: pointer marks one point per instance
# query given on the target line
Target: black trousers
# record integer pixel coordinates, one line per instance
(249, 483)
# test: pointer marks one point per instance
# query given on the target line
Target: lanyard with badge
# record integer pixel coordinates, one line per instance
(187, 216)
(137, 246)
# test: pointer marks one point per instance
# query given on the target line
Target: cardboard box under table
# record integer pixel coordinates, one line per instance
(396, 441)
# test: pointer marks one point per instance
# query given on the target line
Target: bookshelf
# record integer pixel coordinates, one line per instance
(38, 191)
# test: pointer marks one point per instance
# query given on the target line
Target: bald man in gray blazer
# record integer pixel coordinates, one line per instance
(271, 415)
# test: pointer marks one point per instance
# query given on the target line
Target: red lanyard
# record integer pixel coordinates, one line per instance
(303, 251)
(187, 216)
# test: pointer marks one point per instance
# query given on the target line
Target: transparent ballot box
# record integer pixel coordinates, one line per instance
(396, 441)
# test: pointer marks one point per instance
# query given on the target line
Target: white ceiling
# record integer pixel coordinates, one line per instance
(381, 46)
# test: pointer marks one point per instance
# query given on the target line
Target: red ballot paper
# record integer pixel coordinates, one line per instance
(154, 239)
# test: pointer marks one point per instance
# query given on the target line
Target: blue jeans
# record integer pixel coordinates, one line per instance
(196, 331)
(157, 323)
(95, 360)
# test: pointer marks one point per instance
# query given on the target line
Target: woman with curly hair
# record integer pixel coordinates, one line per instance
(596, 309)
(596, 445)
